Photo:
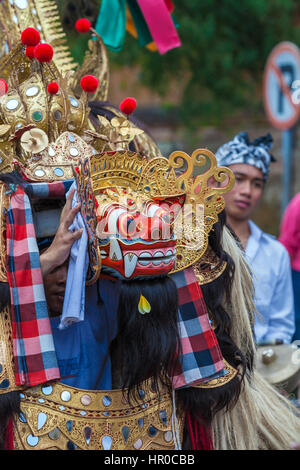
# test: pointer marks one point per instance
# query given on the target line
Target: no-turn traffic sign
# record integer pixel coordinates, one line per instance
(281, 71)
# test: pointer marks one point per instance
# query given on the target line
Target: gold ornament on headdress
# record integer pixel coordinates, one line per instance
(203, 201)
(43, 15)
(209, 267)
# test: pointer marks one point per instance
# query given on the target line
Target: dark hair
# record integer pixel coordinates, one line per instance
(9, 405)
(146, 346)
(13, 177)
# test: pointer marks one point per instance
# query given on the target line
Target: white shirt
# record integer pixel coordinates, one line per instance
(274, 299)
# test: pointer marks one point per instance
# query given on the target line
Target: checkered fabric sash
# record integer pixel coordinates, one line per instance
(33, 347)
(201, 358)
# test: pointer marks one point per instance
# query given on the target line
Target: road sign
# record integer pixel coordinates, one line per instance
(281, 71)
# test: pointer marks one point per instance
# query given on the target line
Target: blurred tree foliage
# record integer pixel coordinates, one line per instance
(220, 64)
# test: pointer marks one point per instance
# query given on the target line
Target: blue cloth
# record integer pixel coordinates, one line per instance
(274, 299)
(241, 150)
(296, 286)
(74, 301)
(82, 349)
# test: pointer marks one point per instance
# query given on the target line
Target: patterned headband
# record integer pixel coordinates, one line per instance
(241, 150)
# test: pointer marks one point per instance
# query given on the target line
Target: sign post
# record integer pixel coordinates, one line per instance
(281, 71)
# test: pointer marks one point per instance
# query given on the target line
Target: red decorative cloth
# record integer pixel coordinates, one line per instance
(199, 434)
(33, 347)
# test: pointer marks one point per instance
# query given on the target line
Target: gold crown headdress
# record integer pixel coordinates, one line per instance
(28, 103)
(44, 121)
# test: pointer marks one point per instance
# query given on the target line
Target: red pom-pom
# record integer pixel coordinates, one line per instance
(30, 37)
(89, 83)
(29, 52)
(43, 52)
(83, 25)
(128, 105)
(53, 88)
(3, 87)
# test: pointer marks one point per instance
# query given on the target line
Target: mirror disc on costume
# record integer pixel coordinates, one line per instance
(4, 384)
(141, 422)
(138, 444)
(57, 115)
(86, 400)
(168, 436)
(73, 151)
(12, 104)
(106, 400)
(73, 102)
(125, 432)
(42, 418)
(58, 172)
(163, 417)
(69, 425)
(22, 418)
(32, 440)
(32, 91)
(22, 4)
(71, 137)
(51, 151)
(39, 172)
(152, 431)
(54, 434)
(71, 445)
(47, 390)
(65, 395)
(106, 442)
(37, 116)
(87, 432)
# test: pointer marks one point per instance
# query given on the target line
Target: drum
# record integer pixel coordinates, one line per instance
(280, 365)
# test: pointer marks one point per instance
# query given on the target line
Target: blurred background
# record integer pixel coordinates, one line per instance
(210, 88)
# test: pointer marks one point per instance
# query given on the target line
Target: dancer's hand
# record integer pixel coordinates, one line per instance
(59, 250)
